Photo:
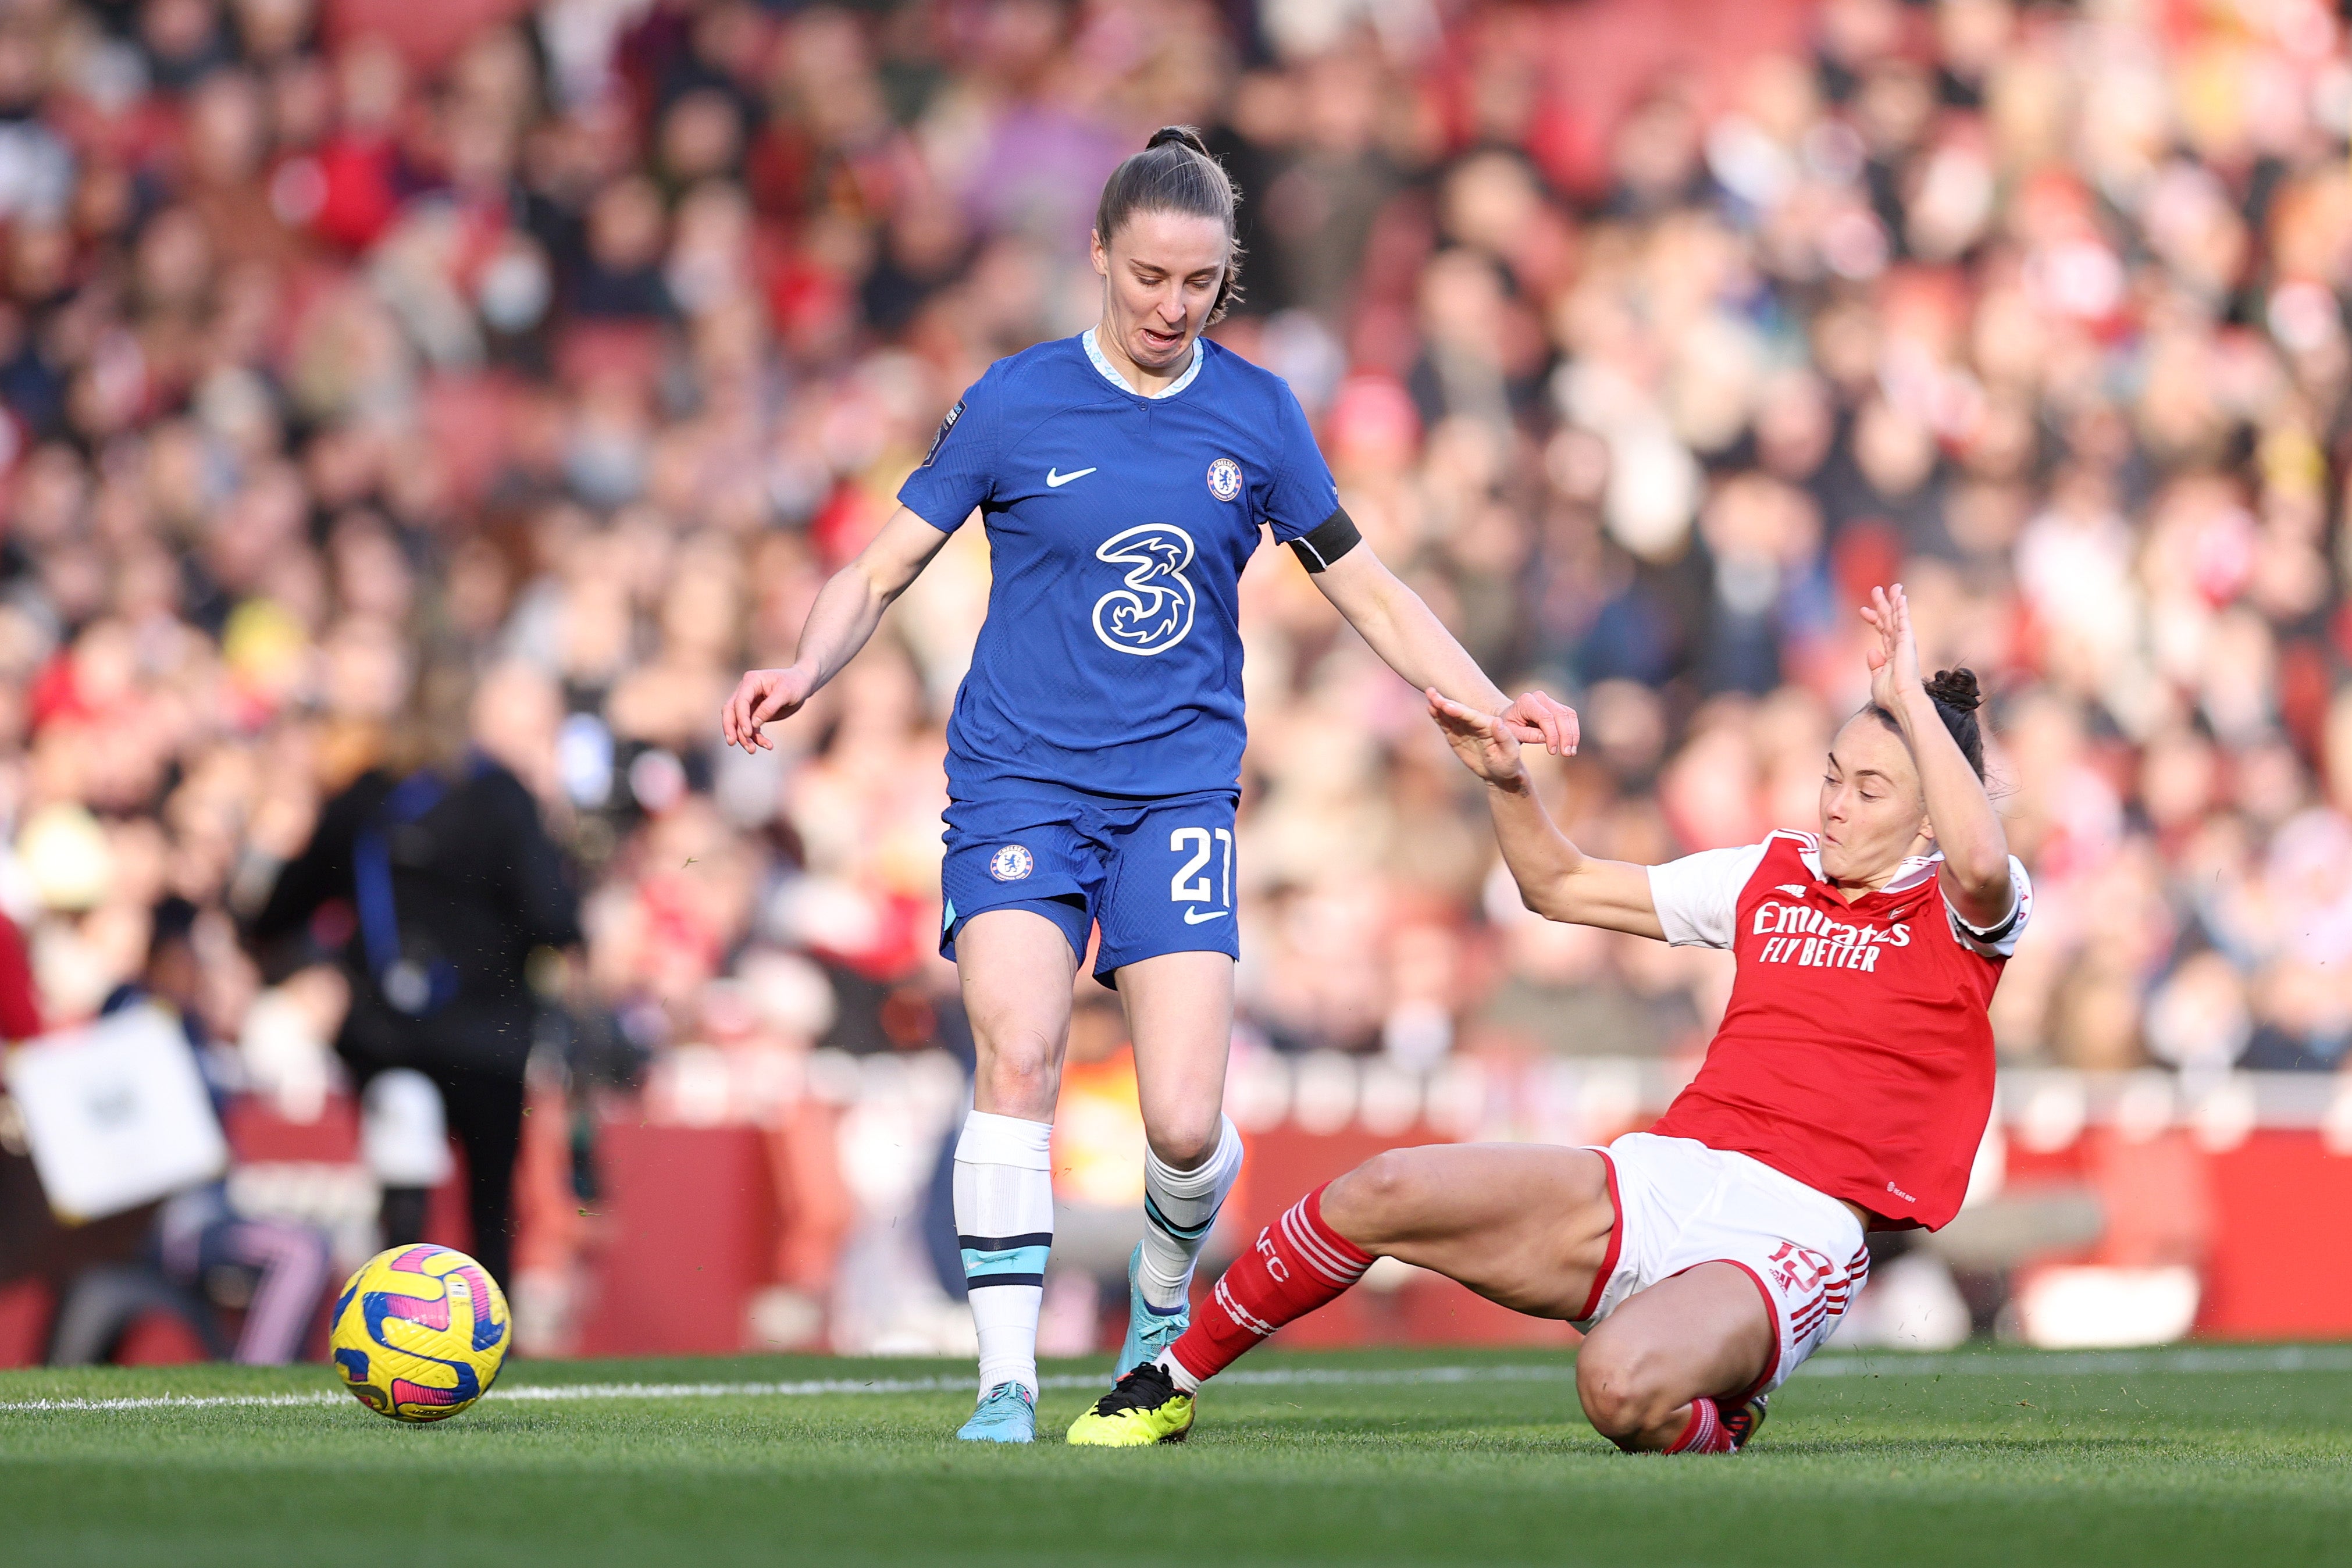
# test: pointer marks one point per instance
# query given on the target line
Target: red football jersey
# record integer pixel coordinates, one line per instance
(1856, 1054)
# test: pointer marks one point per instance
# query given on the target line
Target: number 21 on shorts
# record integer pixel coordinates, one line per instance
(1190, 884)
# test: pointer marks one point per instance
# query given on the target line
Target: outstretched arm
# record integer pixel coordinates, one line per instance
(846, 611)
(1416, 644)
(1968, 830)
(1557, 879)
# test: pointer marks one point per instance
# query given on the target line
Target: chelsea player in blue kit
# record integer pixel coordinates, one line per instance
(1094, 755)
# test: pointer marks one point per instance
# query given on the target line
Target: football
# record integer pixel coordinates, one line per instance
(419, 1332)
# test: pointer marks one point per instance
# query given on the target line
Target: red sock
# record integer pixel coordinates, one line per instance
(1298, 1264)
(1705, 1434)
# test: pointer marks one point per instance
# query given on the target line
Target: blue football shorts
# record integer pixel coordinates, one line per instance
(1156, 875)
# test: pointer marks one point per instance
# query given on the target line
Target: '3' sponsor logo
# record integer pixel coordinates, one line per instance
(1151, 610)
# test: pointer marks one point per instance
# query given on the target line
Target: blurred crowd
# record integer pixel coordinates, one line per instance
(538, 363)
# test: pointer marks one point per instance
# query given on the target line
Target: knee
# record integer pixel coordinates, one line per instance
(1386, 1181)
(1369, 1203)
(1621, 1386)
(1019, 1064)
(1187, 1141)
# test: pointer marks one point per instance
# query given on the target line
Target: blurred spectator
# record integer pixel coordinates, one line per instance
(20, 1006)
(273, 1271)
(440, 873)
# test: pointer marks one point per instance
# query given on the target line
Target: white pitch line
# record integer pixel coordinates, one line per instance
(2071, 1363)
(544, 1392)
(169, 1402)
(1911, 1363)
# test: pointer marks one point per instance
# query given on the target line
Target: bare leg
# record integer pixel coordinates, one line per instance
(1528, 1226)
(1180, 1013)
(1700, 1333)
(1524, 1224)
(1016, 968)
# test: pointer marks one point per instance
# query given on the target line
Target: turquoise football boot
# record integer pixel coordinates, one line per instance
(1007, 1414)
(1149, 1330)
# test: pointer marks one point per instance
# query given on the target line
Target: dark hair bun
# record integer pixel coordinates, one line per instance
(1957, 698)
(1957, 689)
(1180, 133)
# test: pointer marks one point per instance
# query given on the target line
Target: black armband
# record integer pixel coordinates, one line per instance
(1333, 537)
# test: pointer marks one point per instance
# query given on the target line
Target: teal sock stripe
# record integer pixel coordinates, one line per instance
(1180, 1232)
(1005, 1259)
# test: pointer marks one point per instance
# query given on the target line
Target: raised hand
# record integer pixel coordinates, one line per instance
(761, 697)
(1895, 661)
(1485, 743)
(1534, 718)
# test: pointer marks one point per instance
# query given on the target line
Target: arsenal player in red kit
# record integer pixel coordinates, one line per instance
(1845, 1091)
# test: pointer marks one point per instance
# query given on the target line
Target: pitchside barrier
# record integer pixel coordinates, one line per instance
(766, 1198)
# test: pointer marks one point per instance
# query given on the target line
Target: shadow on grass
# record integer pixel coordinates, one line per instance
(2007, 1445)
(1463, 1434)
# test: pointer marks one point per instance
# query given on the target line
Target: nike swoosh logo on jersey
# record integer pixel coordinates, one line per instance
(1194, 917)
(1056, 479)
(1793, 889)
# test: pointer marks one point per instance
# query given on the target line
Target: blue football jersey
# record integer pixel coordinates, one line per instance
(1118, 528)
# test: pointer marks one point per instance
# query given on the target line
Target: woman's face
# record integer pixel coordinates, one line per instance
(1160, 272)
(1873, 812)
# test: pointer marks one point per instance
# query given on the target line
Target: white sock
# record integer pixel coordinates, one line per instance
(1179, 1207)
(1004, 1222)
(1185, 1381)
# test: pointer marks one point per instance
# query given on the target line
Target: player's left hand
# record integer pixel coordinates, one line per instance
(1535, 720)
(1481, 739)
(1895, 661)
(1487, 744)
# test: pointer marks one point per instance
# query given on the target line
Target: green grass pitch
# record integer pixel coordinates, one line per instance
(2229, 1456)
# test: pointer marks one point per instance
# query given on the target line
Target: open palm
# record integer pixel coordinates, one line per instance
(1895, 659)
(1483, 741)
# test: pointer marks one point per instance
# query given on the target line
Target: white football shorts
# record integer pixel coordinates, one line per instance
(1681, 1203)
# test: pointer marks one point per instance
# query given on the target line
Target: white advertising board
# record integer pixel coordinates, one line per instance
(115, 1113)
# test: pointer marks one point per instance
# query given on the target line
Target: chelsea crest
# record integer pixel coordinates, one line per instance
(1224, 479)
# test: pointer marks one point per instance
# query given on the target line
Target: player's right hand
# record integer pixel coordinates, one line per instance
(1483, 741)
(761, 697)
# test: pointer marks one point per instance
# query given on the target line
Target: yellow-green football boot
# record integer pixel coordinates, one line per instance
(1142, 1408)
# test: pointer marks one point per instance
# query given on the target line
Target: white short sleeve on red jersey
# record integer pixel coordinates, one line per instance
(1998, 940)
(1698, 897)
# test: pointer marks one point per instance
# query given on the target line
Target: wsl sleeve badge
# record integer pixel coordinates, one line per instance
(420, 1332)
(946, 425)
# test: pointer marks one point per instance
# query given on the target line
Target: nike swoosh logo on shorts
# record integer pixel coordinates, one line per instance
(1194, 917)
(1055, 479)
